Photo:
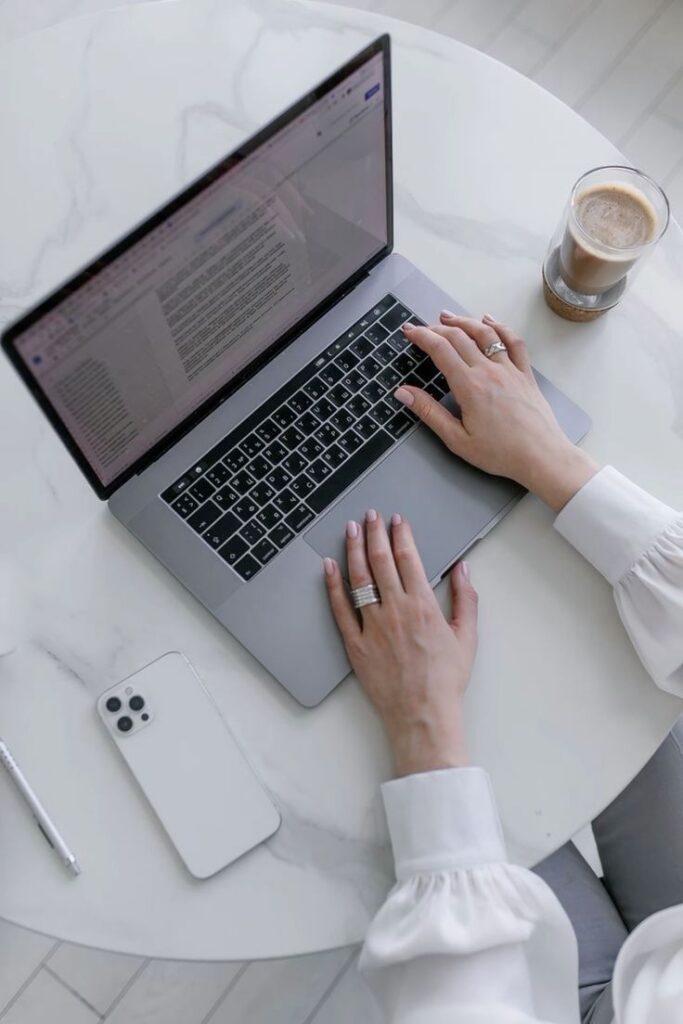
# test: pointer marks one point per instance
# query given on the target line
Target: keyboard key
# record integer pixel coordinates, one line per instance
(326, 434)
(319, 471)
(218, 475)
(382, 413)
(310, 449)
(332, 350)
(424, 373)
(184, 505)
(300, 517)
(334, 456)
(233, 550)
(369, 367)
(226, 496)
(339, 395)
(316, 388)
(354, 381)
(358, 406)
(398, 341)
(275, 452)
(258, 467)
(403, 364)
(302, 486)
(175, 489)
(342, 419)
(362, 348)
(269, 516)
(286, 501)
(376, 333)
(307, 423)
(350, 441)
(234, 460)
(281, 535)
(382, 306)
(264, 551)
(331, 374)
(434, 390)
(268, 431)
(349, 472)
(294, 463)
(389, 378)
(396, 316)
(384, 354)
(242, 481)
(399, 424)
(262, 493)
(199, 469)
(346, 360)
(373, 391)
(292, 438)
(247, 567)
(278, 478)
(284, 416)
(442, 385)
(204, 517)
(252, 532)
(222, 530)
(301, 402)
(252, 445)
(202, 489)
(245, 508)
(323, 409)
(366, 427)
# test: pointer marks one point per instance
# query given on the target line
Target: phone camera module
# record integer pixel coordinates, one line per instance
(113, 704)
(125, 724)
(136, 703)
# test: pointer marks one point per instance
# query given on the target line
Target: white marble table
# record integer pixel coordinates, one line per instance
(103, 118)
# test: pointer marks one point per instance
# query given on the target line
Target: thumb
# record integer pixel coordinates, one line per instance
(465, 602)
(435, 416)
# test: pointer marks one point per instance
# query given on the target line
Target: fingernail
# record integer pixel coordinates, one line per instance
(465, 570)
(371, 515)
(404, 396)
(396, 519)
(352, 529)
(447, 313)
(329, 566)
(488, 319)
(407, 328)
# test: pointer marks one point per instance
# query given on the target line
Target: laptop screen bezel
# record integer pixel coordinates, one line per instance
(12, 334)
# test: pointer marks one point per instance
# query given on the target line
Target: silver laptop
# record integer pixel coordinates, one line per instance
(224, 376)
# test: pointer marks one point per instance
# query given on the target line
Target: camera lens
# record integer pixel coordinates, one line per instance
(145, 717)
(136, 703)
(113, 704)
(125, 723)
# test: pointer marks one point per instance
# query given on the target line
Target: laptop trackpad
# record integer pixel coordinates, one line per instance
(447, 502)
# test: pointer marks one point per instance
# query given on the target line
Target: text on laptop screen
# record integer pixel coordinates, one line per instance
(129, 355)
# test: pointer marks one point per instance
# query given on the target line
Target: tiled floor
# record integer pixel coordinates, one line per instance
(620, 64)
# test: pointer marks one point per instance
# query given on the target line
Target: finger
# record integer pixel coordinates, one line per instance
(342, 609)
(380, 556)
(359, 568)
(441, 352)
(407, 556)
(466, 347)
(517, 350)
(465, 602)
(482, 334)
(435, 416)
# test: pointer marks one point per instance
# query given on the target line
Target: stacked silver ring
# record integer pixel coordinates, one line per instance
(362, 596)
(496, 346)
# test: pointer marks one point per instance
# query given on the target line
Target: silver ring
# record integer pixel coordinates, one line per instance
(495, 346)
(362, 596)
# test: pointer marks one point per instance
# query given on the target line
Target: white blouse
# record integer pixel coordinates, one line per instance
(465, 936)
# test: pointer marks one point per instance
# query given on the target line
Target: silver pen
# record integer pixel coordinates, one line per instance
(43, 819)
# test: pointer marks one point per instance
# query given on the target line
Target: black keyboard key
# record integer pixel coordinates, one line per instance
(234, 549)
(294, 463)
(292, 438)
(261, 494)
(252, 532)
(226, 497)
(268, 431)
(247, 567)
(358, 406)
(334, 349)
(398, 341)
(396, 316)
(413, 380)
(184, 505)
(307, 423)
(340, 395)
(334, 456)
(172, 492)
(281, 535)
(275, 452)
(269, 516)
(301, 402)
(218, 475)
(389, 378)
(242, 481)
(286, 501)
(354, 381)
(252, 445)
(199, 469)
(373, 391)
(204, 517)
(347, 360)
(399, 424)
(382, 413)
(245, 508)
(310, 449)
(278, 478)
(326, 434)
(369, 367)
(284, 416)
(300, 517)
(264, 551)
(392, 402)
(350, 441)
(315, 388)
(366, 427)
(403, 364)
(384, 354)
(331, 374)
(442, 385)
(258, 467)
(362, 348)
(323, 409)
(349, 472)
(319, 471)
(433, 390)
(342, 419)
(424, 373)
(382, 306)
(222, 530)
(235, 459)
(376, 333)
(202, 489)
(302, 486)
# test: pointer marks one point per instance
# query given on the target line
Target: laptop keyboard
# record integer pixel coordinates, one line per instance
(271, 476)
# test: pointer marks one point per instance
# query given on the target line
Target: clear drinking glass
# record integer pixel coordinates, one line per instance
(613, 220)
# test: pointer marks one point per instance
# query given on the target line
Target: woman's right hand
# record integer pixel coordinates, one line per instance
(507, 426)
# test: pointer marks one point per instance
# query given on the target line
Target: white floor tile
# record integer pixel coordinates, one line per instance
(168, 992)
(476, 21)
(99, 977)
(21, 953)
(350, 1002)
(551, 20)
(671, 104)
(419, 12)
(673, 186)
(655, 146)
(517, 48)
(281, 991)
(46, 1001)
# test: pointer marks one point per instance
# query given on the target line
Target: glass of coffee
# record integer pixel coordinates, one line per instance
(614, 218)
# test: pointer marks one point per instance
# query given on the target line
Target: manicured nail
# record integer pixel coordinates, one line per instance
(396, 519)
(447, 314)
(465, 570)
(404, 396)
(407, 328)
(328, 563)
(488, 319)
(352, 529)
(371, 515)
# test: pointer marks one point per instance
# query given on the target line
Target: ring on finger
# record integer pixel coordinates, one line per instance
(362, 596)
(494, 348)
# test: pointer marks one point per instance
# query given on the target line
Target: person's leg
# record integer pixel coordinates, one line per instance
(640, 836)
(600, 932)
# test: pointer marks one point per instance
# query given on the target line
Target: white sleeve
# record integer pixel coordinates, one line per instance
(636, 542)
(465, 936)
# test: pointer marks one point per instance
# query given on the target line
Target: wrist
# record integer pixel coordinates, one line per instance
(560, 474)
(427, 747)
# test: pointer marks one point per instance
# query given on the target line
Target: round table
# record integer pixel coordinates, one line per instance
(102, 119)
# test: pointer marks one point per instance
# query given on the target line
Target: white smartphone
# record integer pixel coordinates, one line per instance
(174, 740)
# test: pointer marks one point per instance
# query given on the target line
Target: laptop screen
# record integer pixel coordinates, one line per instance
(130, 351)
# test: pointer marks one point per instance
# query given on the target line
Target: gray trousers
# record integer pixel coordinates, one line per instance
(640, 840)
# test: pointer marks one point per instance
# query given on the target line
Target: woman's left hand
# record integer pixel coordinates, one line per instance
(413, 664)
